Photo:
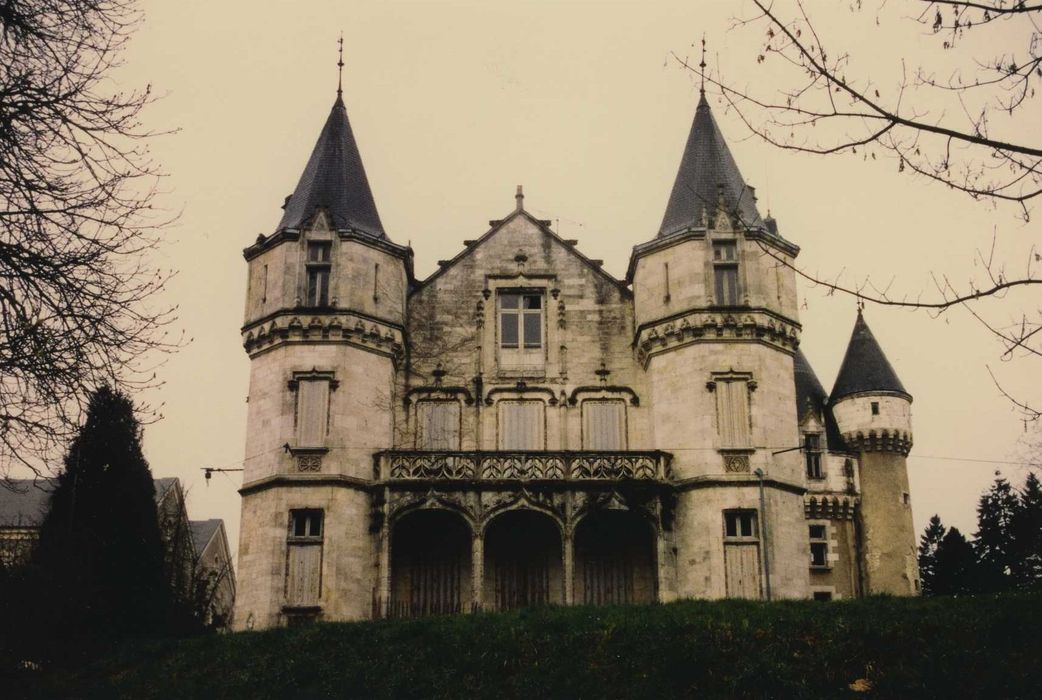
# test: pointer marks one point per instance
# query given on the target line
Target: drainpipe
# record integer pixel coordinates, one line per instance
(766, 542)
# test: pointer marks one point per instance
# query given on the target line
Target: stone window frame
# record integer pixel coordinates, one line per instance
(739, 517)
(496, 284)
(318, 233)
(736, 456)
(294, 385)
(516, 397)
(606, 397)
(725, 235)
(822, 543)
(443, 398)
(814, 456)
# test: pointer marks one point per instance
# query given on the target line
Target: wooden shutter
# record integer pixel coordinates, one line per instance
(438, 423)
(312, 412)
(732, 411)
(604, 425)
(304, 576)
(742, 569)
(521, 425)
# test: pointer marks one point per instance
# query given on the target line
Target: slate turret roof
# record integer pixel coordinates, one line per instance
(865, 367)
(809, 391)
(707, 170)
(335, 179)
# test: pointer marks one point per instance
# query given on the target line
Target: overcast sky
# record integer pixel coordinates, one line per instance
(453, 104)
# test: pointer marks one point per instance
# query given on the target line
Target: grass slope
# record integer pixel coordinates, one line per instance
(966, 647)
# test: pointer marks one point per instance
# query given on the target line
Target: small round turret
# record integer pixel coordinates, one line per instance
(871, 407)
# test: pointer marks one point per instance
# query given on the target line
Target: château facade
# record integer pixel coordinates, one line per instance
(523, 428)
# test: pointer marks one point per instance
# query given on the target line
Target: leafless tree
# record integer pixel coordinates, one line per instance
(961, 117)
(78, 222)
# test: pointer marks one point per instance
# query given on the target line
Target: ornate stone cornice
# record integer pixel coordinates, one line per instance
(829, 506)
(896, 441)
(345, 327)
(752, 325)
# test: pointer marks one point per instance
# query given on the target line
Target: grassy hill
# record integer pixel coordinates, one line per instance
(882, 647)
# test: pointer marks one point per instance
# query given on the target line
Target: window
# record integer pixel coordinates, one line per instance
(521, 425)
(317, 268)
(437, 425)
(812, 453)
(312, 413)
(875, 408)
(725, 272)
(740, 524)
(304, 557)
(604, 425)
(823, 596)
(819, 546)
(732, 411)
(521, 330)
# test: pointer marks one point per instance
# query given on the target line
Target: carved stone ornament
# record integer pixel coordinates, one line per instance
(736, 463)
(309, 463)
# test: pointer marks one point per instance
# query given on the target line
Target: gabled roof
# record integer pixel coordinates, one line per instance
(865, 367)
(202, 532)
(544, 228)
(334, 179)
(707, 170)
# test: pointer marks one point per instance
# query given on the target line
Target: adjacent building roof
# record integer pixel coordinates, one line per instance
(202, 532)
(334, 179)
(707, 171)
(865, 367)
(24, 502)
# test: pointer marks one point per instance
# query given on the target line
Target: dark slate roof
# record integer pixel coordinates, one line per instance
(706, 165)
(24, 502)
(809, 390)
(162, 485)
(865, 367)
(334, 178)
(202, 532)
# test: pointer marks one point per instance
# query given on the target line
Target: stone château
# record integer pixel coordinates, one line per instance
(523, 428)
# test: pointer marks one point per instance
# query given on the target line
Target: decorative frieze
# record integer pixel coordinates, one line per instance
(829, 506)
(344, 327)
(704, 326)
(523, 466)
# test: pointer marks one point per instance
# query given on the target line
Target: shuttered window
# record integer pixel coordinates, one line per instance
(521, 425)
(312, 412)
(604, 425)
(732, 412)
(304, 557)
(438, 425)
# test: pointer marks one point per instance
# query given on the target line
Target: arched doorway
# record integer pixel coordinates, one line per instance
(522, 561)
(430, 564)
(614, 559)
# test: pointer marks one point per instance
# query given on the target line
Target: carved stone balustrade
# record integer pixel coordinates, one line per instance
(498, 466)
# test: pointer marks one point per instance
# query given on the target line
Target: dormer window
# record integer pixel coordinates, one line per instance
(812, 454)
(319, 262)
(521, 330)
(725, 273)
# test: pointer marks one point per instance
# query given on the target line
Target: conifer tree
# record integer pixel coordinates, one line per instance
(100, 557)
(1027, 535)
(928, 544)
(955, 566)
(994, 538)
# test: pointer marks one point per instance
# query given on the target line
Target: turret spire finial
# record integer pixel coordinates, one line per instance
(520, 198)
(340, 68)
(702, 67)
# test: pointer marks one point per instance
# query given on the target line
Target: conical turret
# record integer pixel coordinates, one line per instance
(334, 179)
(865, 367)
(708, 177)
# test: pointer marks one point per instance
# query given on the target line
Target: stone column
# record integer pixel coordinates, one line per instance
(568, 552)
(384, 573)
(477, 569)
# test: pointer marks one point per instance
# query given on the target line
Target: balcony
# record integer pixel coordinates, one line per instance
(494, 466)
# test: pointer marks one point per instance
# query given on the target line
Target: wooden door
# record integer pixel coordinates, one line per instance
(742, 569)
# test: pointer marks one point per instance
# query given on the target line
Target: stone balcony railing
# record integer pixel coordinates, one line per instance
(405, 465)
